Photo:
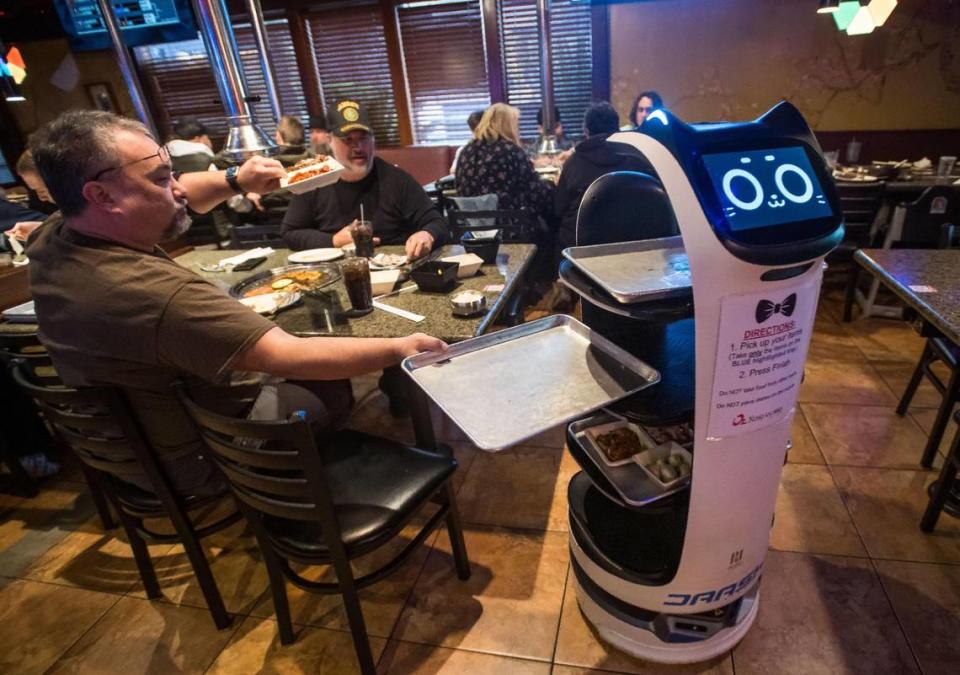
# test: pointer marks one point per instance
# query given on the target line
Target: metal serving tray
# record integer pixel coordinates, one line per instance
(503, 388)
(632, 484)
(332, 270)
(635, 271)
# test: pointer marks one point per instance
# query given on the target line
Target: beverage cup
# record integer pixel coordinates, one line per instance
(853, 151)
(945, 167)
(362, 234)
(356, 277)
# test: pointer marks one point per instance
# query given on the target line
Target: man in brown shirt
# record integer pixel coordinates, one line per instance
(114, 310)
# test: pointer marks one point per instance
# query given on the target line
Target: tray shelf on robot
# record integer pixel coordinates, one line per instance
(508, 386)
(635, 271)
(629, 482)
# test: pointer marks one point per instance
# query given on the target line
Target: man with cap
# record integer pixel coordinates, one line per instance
(401, 212)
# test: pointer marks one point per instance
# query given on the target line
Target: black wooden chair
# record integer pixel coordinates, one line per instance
(328, 501)
(104, 433)
(26, 347)
(943, 351)
(515, 225)
(860, 204)
(943, 488)
(253, 236)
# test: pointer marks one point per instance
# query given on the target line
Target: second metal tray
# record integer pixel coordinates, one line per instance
(506, 387)
(635, 271)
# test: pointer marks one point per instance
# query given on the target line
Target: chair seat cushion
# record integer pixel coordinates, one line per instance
(376, 485)
(140, 502)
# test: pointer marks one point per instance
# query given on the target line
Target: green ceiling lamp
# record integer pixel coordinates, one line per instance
(845, 13)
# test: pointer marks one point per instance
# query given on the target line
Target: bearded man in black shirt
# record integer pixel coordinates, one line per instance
(398, 207)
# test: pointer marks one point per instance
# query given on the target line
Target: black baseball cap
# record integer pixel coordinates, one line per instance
(348, 115)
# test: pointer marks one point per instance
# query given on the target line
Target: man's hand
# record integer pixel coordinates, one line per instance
(261, 175)
(419, 244)
(417, 343)
(342, 237)
(254, 199)
(22, 230)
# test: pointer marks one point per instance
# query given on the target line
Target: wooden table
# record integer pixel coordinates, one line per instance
(928, 282)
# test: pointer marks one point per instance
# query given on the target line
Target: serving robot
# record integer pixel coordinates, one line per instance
(758, 212)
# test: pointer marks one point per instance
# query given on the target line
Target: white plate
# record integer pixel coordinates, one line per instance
(318, 181)
(315, 255)
(387, 261)
(269, 303)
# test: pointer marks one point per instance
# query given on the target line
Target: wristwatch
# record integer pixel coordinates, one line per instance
(231, 176)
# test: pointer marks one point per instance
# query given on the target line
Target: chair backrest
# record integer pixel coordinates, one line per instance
(27, 347)
(97, 424)
(928, 220)
(860, 202)
(253, 236)
(273, 468)
(480, 214)
(624, 206)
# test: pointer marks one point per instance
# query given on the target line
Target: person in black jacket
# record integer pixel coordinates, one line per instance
(591, 159)
(398, 207)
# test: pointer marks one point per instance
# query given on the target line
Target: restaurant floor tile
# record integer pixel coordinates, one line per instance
(926, 599)
(897, 375)
(811, 516)
(509, 606)
(822, 614)
(851, 583)
(522, 487)
(39, 622)
(861, 435)
(886, 506)
(138, 636)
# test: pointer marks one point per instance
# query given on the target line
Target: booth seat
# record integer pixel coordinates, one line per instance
(426, 163)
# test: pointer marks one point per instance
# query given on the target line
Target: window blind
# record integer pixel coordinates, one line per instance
(180, 79)
(445, 66)
(352, 63)
(570, 30)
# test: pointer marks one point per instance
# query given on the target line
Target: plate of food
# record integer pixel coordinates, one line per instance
(315, 255)
(387, 261)
(312, 173)
(308, 278)
(617, 442)
(270, 303)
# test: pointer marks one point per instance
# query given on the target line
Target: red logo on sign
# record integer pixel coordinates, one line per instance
(739, 420)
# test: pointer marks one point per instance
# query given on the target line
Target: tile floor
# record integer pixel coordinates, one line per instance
(850, 586)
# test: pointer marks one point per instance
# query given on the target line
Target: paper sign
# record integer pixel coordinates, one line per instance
(761, 351)
(922, 289)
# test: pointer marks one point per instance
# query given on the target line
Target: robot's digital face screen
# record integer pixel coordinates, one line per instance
(761, 188)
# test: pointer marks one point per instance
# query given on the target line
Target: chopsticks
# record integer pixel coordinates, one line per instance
(416, 318)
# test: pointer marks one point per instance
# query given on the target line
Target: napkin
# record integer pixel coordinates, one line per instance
(17, 247)
(243, 257)
(922, 164)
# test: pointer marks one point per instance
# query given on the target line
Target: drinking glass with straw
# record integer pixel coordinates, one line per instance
(362, 234)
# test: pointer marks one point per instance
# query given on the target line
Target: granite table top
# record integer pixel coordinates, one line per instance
(325, 315)
(927, 280)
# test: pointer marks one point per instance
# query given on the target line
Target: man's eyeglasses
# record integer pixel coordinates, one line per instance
(162, 153)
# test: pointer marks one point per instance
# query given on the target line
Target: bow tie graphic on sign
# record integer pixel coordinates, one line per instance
(766, 309)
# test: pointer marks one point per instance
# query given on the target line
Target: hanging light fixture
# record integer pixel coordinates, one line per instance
(828, 6)
(880, 10)
(862, 23)
(846, 10)
(13, 71)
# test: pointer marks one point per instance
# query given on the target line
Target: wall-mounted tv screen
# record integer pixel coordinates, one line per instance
(140, 21)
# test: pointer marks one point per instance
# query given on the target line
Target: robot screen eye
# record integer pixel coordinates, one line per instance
(761, 188)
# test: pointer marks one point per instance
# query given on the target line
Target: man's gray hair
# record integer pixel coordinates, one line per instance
(73, 148)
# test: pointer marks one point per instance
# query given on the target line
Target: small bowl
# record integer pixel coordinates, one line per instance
(469, 264)
(487, 249)
(383, 281)
(435, 276)
(468, 303)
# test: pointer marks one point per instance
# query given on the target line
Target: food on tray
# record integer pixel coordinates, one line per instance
(386, 260)
(670, 468)
(619, 444)
(308, 168)
(291, 282)
(681, 434)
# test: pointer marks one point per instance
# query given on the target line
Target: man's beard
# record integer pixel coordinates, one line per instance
(353, 173)
(181, 223)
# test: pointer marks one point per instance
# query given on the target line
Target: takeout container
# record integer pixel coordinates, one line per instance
(383, 281)
(469, 264)
(486, 248)
(594, 432)
(314, 182)
(650, 457)
(435, 276)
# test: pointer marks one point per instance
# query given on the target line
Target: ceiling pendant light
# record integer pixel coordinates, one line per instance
(845, 13)
(828, 6)
(862, 23)
(880, 10)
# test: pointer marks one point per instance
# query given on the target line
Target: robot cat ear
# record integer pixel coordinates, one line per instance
(784, 117)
